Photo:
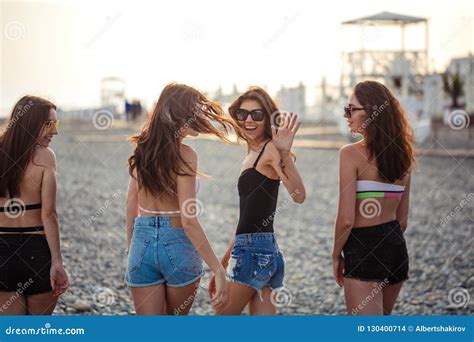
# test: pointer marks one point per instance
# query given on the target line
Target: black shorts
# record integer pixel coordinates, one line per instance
(25, 263)
(376, 253)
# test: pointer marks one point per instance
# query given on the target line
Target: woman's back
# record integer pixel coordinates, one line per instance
(374, 210)
(30, 193)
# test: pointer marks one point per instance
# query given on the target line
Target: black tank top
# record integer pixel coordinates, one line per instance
(258, 199)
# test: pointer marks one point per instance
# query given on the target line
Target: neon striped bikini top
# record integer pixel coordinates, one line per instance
(374, 189)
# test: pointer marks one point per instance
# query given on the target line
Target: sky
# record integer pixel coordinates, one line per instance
(62, 49)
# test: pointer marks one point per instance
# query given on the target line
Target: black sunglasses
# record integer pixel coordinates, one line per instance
(348, 111)
(243, 114)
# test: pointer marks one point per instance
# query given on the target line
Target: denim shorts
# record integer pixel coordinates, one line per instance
(161, 254)
(376, 253)
(256, 261)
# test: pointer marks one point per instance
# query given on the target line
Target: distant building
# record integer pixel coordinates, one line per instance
(293, 99)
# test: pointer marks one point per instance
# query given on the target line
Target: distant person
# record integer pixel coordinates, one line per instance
(370, 258)
(32, 275)
(255, 264)
(166, 240)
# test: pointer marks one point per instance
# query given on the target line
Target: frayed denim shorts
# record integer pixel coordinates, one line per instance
(161, 254)
(256, 261)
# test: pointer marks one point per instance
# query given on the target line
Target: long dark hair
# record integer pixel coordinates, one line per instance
(388, 135)
(264, 99)
(18, 140)
(156, 159)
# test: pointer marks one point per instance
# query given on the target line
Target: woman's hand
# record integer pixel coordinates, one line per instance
(283, 135)
(59, 279)
(218, 289)
(338, 269)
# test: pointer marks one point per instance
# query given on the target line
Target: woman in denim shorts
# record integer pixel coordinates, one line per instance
(254, 262)
(370, 258)
(166, 241)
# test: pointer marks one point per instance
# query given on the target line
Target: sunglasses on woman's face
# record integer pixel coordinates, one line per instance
(243, 114)
(50, 123)
(348, 111)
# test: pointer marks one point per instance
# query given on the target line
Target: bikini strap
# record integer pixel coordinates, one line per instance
(260, 154)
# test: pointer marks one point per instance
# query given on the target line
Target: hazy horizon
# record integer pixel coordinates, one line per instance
(61, 49)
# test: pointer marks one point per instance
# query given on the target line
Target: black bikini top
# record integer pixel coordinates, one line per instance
(258, 199)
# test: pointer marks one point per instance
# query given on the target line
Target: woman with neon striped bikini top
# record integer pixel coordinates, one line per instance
(374, 175)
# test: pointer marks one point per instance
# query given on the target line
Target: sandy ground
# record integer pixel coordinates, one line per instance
(92, 188)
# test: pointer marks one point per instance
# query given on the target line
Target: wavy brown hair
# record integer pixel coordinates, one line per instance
(156, 159)
(18, 140)
(388, 136)
(261, 96)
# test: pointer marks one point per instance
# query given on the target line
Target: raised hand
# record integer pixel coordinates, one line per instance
(283, 135)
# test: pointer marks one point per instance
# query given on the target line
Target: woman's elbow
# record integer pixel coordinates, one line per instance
(48, 215)
(299, 196)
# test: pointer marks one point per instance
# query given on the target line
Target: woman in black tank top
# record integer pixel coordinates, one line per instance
(254, 262)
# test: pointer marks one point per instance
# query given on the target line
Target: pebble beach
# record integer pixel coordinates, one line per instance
(92, 186)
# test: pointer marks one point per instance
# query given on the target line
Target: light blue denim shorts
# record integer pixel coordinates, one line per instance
(257, 261)
(161, 254)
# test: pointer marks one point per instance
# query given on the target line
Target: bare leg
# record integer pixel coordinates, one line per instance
(265, 307)
(180, 299)
(238, 297)
(363, 297)
(41, 304)
(12, 303)
(149, 300)
(390, 294)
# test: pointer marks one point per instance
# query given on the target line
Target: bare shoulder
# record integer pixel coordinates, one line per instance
(44, 156)
(271, 153)
(354, 151)
(188, 153)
